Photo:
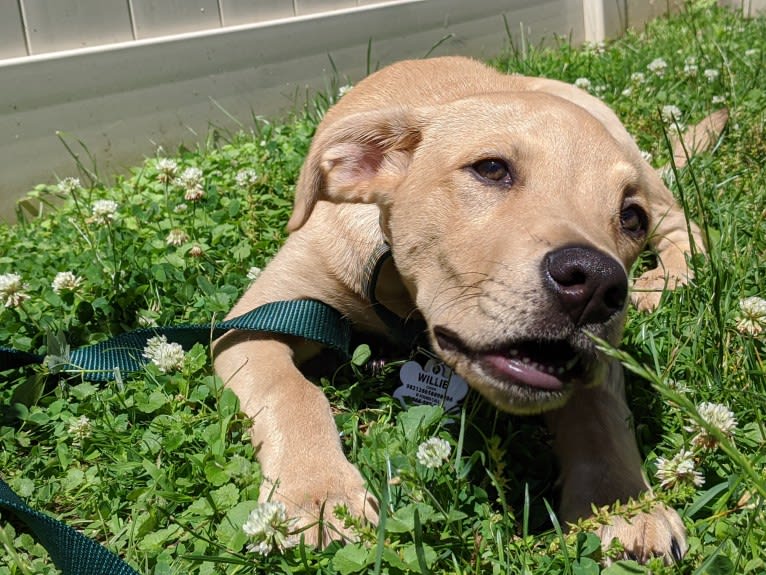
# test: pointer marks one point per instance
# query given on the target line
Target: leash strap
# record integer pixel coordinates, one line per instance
(309, 319)
(71, 552)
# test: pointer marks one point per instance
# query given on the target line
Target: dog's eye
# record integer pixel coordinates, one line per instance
(634, 220)
(493, 170)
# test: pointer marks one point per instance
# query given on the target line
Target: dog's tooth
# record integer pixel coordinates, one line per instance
(513, 352)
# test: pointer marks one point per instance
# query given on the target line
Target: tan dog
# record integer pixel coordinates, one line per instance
(513, 207)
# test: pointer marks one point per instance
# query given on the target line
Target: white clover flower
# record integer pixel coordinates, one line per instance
(196, 251)
(627, 92)
(750, 52)
(657, 67)
(79, 428)
(246, 178)
(194, 194)
(711, 74)
(190, 179)
(582, 83)
(69, 185)
(671, 114)
(269, 528)
(253, 273)
(176, 237)
(181, 208)
(718, 99)
(12, 290)
(678, 470)
(638, 77)
(752, 315)
(166, 169)
(715, 415)
(166, 356)
(103, 211)
(66, 282)
(433, 452)
(343, 90)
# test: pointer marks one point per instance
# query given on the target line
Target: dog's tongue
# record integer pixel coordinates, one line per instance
(521, 372)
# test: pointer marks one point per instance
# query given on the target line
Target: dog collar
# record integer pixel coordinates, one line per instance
(409, 332)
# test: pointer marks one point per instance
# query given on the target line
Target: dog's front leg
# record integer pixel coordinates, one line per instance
(672, 240)
(600, 464)
(294, 430)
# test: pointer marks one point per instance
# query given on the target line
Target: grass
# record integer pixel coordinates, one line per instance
(158, 466)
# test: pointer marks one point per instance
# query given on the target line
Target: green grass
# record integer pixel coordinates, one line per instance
(163, 472)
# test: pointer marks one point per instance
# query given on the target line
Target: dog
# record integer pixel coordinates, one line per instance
(513, 208)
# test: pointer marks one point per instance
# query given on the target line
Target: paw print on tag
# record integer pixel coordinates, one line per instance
(432, 384)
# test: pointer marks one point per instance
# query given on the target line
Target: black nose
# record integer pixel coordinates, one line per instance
(590, 285)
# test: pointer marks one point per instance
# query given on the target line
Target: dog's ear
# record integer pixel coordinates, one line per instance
(358, 159)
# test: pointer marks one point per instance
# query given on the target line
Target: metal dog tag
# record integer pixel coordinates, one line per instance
(432, 384)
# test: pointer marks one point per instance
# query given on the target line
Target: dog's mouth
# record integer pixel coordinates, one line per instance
(547, 365)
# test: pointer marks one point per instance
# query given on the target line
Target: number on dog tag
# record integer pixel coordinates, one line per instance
(433, 384)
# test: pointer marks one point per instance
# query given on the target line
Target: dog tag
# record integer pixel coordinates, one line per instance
(433, 384)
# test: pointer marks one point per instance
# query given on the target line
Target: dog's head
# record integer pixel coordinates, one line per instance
(513, 219)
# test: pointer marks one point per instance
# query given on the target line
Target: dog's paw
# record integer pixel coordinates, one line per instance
(656, 533)
(648, 287)
(312, 499)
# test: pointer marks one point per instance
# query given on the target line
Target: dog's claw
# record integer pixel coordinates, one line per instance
(675, 550)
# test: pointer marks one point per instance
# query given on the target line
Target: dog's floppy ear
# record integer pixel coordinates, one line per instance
(358, 159)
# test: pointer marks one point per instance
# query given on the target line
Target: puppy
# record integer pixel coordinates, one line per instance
(513, 208)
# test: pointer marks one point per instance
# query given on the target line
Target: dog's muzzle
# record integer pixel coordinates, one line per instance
(586, 294)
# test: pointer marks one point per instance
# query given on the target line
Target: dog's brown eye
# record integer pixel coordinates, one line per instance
(493, 170)
(633, 220)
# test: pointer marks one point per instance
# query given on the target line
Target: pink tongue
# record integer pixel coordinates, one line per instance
(520, 372)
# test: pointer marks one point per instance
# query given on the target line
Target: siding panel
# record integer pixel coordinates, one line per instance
(251, 11)
(11, 31)
(154, 18)
(303, 7)
(64, 25)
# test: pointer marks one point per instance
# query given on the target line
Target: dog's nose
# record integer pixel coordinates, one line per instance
(590, 285)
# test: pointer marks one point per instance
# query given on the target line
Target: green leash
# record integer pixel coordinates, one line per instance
(309, 319)
(72, 552)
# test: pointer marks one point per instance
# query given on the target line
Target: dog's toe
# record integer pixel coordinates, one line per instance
(657, 533)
